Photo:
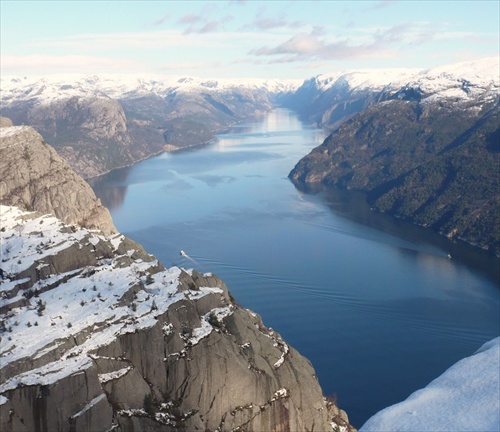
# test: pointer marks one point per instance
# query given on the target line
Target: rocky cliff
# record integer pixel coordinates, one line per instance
(34, 177)
(97, 335)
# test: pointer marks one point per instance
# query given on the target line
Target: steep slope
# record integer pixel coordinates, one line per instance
(429, 154)
(97, 335)
(34, 177)
(98, 123)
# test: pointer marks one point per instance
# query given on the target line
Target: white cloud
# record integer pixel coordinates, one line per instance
(66, 63)
(302, 47)
(189, 19)
(159, 21)
(184, 66)
(362, 43)
(383, 4)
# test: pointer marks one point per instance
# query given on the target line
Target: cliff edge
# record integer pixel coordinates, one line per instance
(97, 335)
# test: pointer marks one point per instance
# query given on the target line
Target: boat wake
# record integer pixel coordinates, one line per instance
(185, 255)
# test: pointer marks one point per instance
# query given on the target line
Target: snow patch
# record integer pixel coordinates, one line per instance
(466, 397)
(280, 394)
(93, 402)
(110, 376)
(85, 301)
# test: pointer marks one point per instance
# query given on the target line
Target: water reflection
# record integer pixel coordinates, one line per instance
(426, 246)
(111, 188)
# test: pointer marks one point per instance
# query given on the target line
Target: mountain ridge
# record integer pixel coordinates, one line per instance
(102, 122)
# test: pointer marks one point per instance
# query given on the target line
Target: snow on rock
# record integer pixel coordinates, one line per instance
(133, 343)
(104, 378)
(464, 398)
(37, 315)
(92, 403)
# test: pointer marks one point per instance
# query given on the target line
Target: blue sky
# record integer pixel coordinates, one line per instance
(242, 39)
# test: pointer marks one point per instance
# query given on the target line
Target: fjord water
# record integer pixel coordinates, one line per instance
(373, 302)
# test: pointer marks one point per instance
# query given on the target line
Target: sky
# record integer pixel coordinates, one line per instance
(242, 38)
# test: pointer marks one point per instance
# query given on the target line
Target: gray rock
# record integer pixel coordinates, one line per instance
(34, 177)
(5, 122)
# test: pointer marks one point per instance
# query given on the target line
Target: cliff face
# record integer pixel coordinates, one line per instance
(34, 177)
(97, 335)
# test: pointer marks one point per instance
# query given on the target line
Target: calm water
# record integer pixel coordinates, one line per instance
(373, 302)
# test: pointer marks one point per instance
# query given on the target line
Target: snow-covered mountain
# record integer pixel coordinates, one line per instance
(103, 122)
(46, 90)
(481, 74)
(423, 147)
(330, 99)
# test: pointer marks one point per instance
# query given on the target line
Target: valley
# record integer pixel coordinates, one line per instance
(422, 144)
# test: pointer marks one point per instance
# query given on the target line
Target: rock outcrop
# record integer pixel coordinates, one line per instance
(5, 122)
(34, 177)
(95, 334)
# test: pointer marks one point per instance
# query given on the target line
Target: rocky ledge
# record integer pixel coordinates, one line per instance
(98, 335)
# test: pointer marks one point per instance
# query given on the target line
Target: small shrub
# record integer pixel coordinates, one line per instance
(214, 321)
(40, 307)
(149, 404)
